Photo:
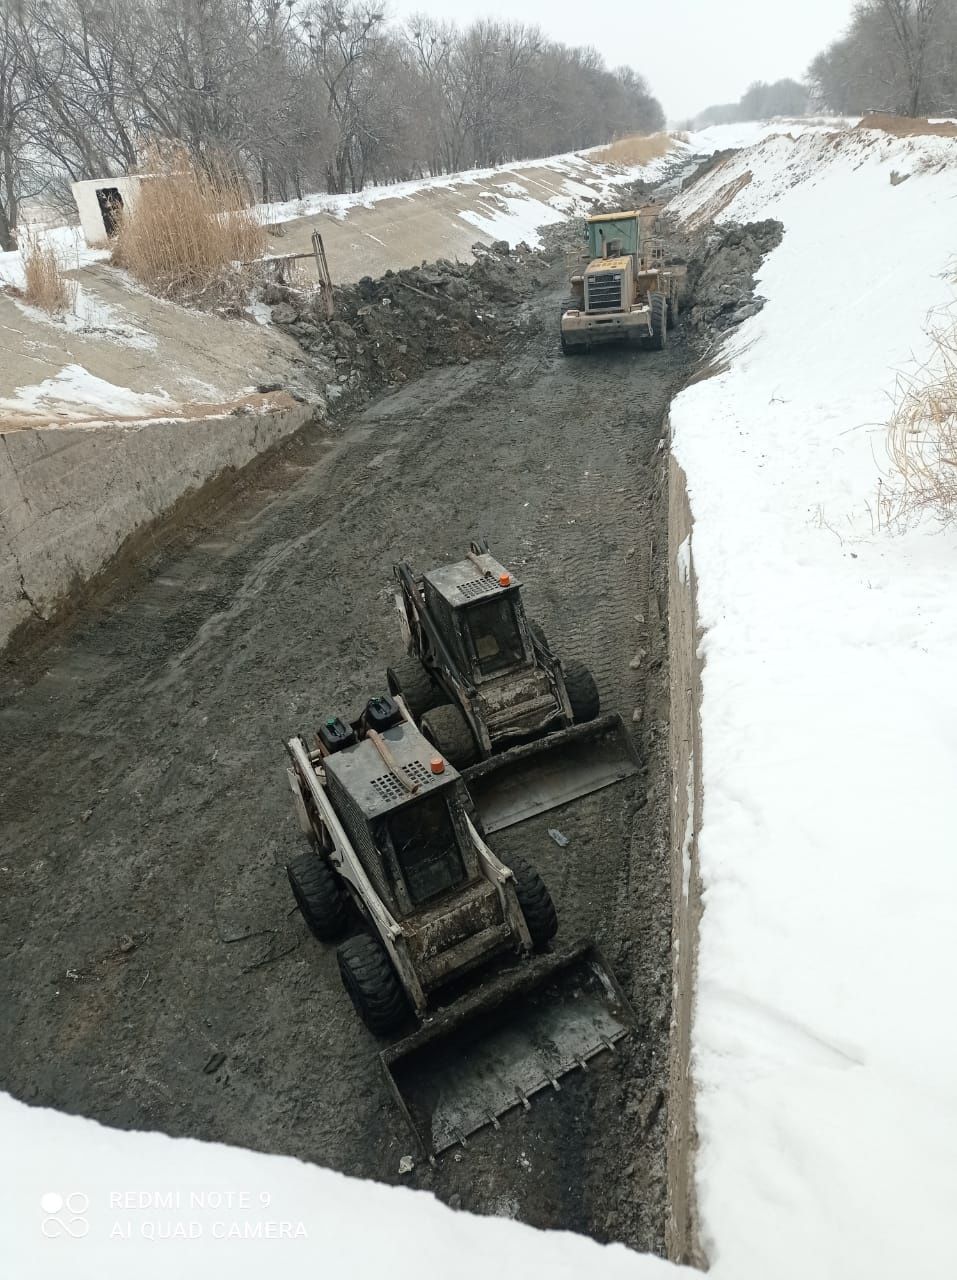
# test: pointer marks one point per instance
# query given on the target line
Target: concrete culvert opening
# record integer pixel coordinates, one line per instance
(175, 987)
(111, 208)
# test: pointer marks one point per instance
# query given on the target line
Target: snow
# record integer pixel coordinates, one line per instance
(85, 1201)
(511, 218)
(92, 317)
(88, 315)
(510, 210)
(825, 1055)
(724, 137)
(74, 389)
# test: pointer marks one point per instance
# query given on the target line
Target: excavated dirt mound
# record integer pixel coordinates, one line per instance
(388, 331)
(722, 262)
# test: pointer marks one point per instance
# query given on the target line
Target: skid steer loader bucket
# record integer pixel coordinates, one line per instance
(485, 1055)
(538, 776)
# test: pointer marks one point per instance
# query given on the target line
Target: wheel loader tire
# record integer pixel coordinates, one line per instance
(409, 678)
(372, 983)
(657, 339)
(535, 901)
(582, 692)
(674, 310)
(324, 904)
(448, 731)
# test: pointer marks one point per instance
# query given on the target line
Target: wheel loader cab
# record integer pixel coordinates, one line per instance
(614, 235)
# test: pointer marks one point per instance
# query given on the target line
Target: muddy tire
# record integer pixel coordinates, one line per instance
(409, 678)
(674, 310)
(582, 692)
(448, 731)
(325, 905)
(657, 340)
(372, 984)
(535, 901)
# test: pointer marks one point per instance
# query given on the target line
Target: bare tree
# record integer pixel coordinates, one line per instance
(898, 56)
(912, 23)
(295, 94)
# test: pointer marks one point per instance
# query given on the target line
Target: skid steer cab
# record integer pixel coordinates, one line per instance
(437, 929)
(484, 685)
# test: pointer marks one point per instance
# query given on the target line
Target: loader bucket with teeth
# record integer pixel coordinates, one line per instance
(538, 776)
(518, 1037)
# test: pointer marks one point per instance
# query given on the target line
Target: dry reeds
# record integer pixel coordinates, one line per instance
(635, 149)
(189, 230)
(45, 285)
(922, 433)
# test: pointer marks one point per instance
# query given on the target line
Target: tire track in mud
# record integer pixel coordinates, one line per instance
(162, 718)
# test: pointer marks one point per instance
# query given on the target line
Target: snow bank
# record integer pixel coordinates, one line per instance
(509, 210)
(723, 137)
(84, 1201)
(825, 1054)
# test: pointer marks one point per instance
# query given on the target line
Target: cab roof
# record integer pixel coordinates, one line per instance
(613, 217)
(465, 581)
(365, 776)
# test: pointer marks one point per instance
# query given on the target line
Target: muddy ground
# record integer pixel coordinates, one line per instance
(154, 973)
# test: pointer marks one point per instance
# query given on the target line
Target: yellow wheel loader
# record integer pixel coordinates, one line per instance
(622, 289)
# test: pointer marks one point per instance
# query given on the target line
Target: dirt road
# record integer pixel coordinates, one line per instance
(153, 973)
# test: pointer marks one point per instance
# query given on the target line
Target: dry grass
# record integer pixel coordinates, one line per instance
(45, 285)
(636, 149)
(922, 435)
(190, 231)
(905, 127)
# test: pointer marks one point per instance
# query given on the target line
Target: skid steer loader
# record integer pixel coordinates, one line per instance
(486, 689)
(443, 932)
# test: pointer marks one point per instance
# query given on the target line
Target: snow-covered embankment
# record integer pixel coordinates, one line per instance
(823, 1050)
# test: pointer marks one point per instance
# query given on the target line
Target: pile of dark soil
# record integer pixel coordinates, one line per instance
(721, 268)
(388, 331)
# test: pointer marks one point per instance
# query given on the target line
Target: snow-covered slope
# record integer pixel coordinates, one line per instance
(83, 1201)
(825, 1049)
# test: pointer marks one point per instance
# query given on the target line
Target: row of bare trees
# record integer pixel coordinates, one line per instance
(300, 94)
(897, 56)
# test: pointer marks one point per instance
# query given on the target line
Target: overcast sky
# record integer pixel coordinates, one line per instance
(692, 52)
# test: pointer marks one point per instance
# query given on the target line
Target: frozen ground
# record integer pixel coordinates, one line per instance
(825, 1058)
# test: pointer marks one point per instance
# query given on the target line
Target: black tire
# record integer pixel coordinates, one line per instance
(658, 338)
(535, 901)
(582, 692)
(325, 905)
(448, 731)
(674, 310)
(372, 984)
(409, 678)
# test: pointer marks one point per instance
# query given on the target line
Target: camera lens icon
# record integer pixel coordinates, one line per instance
(64, 1215)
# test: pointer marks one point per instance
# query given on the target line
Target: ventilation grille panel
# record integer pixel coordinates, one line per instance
(477, 587)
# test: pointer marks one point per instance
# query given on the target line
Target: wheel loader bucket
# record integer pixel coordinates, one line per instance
(486, 1055)
(538, 776)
